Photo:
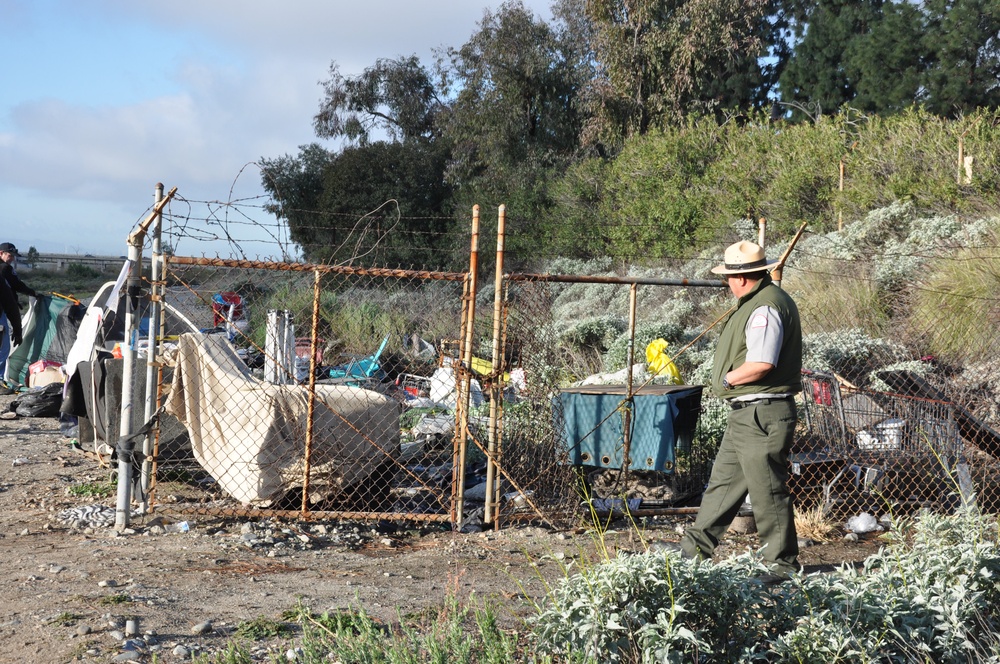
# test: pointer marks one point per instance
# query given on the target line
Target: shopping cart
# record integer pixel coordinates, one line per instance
(880, 451)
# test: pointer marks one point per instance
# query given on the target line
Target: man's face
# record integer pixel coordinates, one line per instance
(6, 256)
(739, 285)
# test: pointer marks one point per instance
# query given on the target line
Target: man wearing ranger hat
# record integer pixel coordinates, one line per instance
(10, 314)
(757, 371)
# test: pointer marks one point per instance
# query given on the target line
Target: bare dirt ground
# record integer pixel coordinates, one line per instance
(72, 593)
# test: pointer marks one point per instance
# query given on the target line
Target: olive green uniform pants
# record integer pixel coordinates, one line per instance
(753, 458)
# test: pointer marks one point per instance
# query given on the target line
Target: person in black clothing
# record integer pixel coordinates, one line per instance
(10, 318)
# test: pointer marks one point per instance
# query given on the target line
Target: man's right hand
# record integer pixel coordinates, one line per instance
(15, 338)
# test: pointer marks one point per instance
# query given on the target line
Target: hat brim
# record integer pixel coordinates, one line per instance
(722, 269)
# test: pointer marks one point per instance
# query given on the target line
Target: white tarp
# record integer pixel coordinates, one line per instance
(251, 435)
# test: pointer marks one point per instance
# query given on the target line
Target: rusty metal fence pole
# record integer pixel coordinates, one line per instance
(311, 416)
(496, 373)
(463, 372)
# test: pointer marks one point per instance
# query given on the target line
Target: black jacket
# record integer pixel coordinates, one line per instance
(8, 302)
(10, 277)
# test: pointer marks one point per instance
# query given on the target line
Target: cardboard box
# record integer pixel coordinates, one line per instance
(46, 376)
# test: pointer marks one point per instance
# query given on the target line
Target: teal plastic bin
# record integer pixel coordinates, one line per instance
(663, 420)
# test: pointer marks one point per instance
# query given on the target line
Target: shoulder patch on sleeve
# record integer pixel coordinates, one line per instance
(758, 321)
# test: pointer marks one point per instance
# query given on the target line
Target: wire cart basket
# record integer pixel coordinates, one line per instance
(879, 451)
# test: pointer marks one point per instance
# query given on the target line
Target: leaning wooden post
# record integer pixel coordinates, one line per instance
(629, 381)
(780, 265)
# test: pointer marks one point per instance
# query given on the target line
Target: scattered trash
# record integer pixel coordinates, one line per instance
(639, 375)
(69, 425)
(179, 527)
(863, 523)
(887, 435)
(660, 364)
(616, 504)
(473, 521)
(519, 500)
(443, 388)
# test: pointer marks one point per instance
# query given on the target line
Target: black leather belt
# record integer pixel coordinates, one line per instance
(736, 405)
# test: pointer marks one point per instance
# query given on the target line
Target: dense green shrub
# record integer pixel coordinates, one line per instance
(850, 353)
(670, 193)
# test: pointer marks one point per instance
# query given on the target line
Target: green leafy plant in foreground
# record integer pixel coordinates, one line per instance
(932, 595)
(454, 634)
(261, 628)
(93, 489)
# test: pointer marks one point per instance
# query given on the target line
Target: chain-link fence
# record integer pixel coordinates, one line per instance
(587, 443)
(371, 393)
(901, 399)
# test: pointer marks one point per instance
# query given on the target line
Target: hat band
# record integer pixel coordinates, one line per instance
(744, 266)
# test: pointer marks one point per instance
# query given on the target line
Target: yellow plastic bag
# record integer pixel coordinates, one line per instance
(658, 363)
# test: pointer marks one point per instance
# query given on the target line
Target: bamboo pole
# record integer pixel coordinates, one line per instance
(627, 413)
(840, 188)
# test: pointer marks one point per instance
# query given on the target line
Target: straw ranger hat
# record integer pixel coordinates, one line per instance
(743, 257)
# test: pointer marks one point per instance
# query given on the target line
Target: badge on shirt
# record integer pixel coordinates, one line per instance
(758, 321)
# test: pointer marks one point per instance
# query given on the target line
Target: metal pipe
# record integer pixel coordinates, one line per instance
(124, 446)
(496, 386)
(325, 269)
(642, 281)
(152, 346)
(456, 444)
(317, 514)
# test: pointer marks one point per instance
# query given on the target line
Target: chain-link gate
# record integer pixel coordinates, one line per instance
(570, 450)
(308, 390)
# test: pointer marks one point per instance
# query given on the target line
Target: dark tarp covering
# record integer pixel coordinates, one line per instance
(49, 330)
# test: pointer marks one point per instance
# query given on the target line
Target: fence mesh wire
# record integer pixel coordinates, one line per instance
(604, 456)
(301, 389)
(900, 406)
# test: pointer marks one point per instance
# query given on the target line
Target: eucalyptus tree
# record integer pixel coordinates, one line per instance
(396, 98)
(513, 118)
(661, 60)
(382, 197)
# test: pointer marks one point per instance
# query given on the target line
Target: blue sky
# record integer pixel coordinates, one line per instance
(100, 100)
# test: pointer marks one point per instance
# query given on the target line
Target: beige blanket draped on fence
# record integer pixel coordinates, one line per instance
(251, 435)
